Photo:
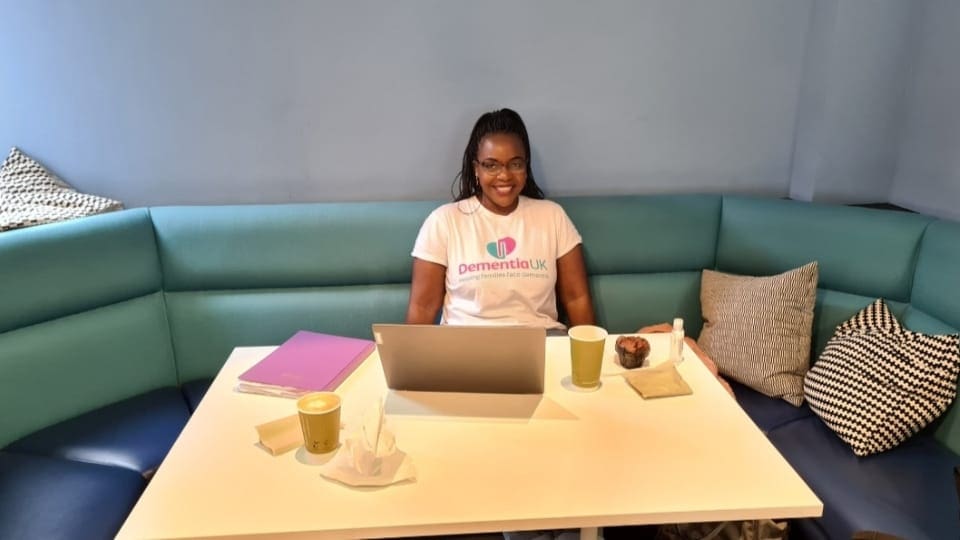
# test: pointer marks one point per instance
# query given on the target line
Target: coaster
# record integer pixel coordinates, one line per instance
(308, 458)
(567, 383)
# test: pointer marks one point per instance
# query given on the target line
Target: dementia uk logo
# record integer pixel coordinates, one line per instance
(500, 249)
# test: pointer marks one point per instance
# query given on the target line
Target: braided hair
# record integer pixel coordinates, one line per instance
(466, 184)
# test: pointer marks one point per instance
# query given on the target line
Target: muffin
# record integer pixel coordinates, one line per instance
(632, 351)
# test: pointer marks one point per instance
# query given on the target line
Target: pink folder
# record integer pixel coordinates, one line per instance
(307, 362)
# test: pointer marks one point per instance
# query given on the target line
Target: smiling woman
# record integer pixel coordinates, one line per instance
(500, 253)
(501, 172)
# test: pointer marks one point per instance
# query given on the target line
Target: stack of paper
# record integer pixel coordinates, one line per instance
(307, 362)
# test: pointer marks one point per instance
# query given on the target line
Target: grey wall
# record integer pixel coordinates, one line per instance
(159, 102)
(928, 172)
(234, 101)
(857, 67)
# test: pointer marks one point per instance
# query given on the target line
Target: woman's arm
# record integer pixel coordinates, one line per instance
(572, 287)
(426, 292)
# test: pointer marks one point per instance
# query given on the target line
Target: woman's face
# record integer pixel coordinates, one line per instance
(501, 168)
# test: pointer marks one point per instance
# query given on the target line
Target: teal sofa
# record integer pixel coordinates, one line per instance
(112, 326)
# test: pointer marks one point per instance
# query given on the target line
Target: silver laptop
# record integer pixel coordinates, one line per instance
(444, 358)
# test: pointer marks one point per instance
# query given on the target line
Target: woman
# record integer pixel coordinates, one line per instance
(500, 253)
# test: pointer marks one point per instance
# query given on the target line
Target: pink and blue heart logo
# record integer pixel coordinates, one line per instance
(502, 247)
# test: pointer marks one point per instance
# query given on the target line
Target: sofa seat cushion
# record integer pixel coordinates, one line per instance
(50, 498)
(766, 412)
(135, 433)
(908, 492)
(194, 391)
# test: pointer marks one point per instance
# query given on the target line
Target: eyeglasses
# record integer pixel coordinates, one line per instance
(515, 165)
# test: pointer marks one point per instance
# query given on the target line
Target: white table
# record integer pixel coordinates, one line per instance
(680, 459)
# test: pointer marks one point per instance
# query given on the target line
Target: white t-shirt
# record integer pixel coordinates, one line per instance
(500, 269)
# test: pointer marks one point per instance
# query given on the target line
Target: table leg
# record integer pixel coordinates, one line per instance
(589, 533)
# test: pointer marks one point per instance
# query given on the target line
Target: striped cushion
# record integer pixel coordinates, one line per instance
(758, 329)
(877, 384)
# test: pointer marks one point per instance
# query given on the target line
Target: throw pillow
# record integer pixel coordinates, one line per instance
(876, 384)
(758, 329)
(32, 195)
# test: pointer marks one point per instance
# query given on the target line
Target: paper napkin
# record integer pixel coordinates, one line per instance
(281, 435)
(661, 381)
(369, 456)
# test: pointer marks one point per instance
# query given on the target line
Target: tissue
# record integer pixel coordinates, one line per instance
(370, 456)
(373, 443)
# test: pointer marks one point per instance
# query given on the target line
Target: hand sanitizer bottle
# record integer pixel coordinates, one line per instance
(676, 341)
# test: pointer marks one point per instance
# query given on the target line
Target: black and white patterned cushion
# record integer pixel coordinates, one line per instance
(758, 329)
(877, 384)
(32, 195)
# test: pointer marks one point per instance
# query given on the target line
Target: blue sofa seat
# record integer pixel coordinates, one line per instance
(194, 391)
(909, 492)
(53, 499)
(134, 434)
(765, 412)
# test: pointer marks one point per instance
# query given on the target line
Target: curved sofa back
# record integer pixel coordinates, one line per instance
(252, 275)
(936, 284)
(98, 309)
(644, 255)
(935, 302)
(863, 254)
(82, 320)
